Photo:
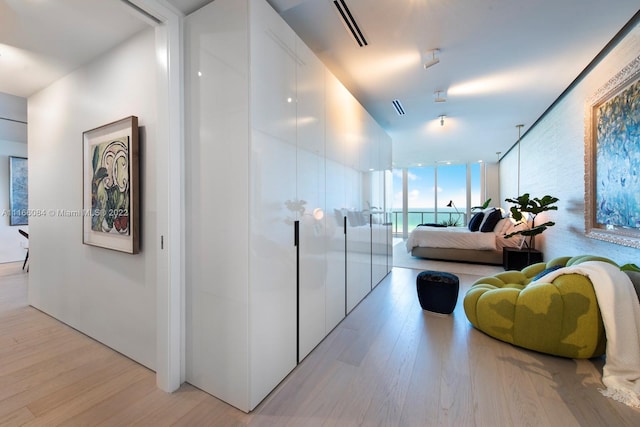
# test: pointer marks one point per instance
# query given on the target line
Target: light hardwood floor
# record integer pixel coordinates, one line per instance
(387, 364)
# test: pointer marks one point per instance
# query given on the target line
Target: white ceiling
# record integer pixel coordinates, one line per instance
(43, 40)
(502, 62)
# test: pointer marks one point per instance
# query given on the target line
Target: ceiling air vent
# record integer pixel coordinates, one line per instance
(350, 22)
(398, 107)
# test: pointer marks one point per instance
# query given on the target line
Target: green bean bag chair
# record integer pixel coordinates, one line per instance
(561, 318)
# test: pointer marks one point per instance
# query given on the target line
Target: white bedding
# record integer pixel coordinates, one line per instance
(451, 237)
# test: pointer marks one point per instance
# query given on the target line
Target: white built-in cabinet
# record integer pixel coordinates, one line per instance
(336, 98)
(287, 182)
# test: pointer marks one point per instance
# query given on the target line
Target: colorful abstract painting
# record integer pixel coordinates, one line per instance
(111, 186)
(110, 191)
(617, 183)
(18, 191)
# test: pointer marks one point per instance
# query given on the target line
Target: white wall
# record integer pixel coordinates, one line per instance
(552, 162)
(492, 184)
(13, 108)
(13, 142)
(108, 295)
(12, 244)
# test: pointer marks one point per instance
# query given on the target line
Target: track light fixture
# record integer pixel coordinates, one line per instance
(442, 119)
(434, 60)
(438, 97)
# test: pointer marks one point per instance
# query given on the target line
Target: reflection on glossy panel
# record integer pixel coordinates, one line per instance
(273, 67)
(272, 261)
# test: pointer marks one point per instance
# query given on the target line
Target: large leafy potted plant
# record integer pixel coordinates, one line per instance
(526, 210)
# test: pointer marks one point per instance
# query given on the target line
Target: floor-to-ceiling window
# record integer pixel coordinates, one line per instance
(439, 194)
(451, 194)
(476, 183)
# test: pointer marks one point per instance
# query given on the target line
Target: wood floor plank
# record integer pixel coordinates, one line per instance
(107, 406)
(159, 408)
(54, 410)
(489, 398)
(524, 403)
(388, 363)
(35, 374)
(90, 377)
(212, 412)
(18, 417)
(392, 387)
(84, 372)
(422, 401)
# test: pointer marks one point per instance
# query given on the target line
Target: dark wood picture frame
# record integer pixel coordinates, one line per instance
(111, 199)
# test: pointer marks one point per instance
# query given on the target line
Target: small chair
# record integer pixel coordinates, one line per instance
(26, 258)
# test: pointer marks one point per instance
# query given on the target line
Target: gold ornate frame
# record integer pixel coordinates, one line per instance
(610, 233)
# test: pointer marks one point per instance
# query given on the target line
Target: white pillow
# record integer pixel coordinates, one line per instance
(502, 225)
(512, 226)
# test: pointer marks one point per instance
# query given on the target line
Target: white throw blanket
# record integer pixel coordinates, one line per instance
(621, 316)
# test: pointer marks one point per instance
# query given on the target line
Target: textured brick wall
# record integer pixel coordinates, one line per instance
(552, 162)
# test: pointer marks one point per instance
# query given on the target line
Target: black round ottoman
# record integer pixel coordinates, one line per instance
(437, 291)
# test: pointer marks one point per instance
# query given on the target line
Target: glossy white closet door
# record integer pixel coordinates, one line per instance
(358, 249)
(272, 295)
(358, 230)
(335, 201)
(273, 211)
(379, 238)
(386, 159)
(311, 189)
(217, 212)
(273, 73)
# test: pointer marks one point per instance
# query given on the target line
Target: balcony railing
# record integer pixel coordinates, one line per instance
(423, 217)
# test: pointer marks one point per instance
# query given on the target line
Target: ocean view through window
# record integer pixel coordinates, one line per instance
(430, 189)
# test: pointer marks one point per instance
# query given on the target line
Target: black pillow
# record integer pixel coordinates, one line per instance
(491, 221)
(476, 220)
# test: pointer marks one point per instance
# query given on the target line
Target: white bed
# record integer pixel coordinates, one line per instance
(461, 244)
